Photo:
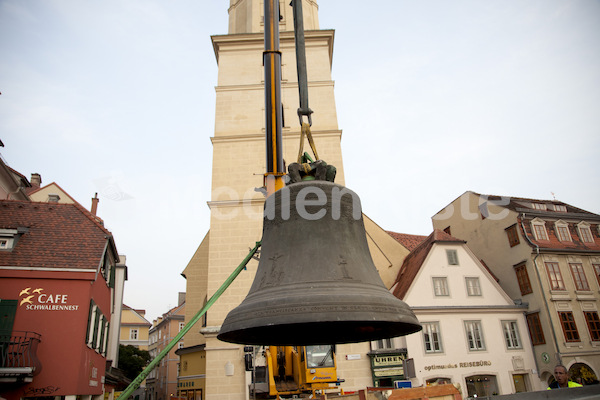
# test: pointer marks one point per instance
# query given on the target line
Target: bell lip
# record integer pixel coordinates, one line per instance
(305, 334)
(352, 303)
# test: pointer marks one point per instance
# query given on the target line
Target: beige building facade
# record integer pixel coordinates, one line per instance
(134, 328)
(161, 383)
(238, 171)
(546, 254)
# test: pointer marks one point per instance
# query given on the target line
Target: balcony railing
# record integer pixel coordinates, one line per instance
(18, 355)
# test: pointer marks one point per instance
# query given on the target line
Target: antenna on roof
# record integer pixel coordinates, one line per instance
(553, 196)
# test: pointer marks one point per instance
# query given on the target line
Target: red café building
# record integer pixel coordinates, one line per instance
(57, 267)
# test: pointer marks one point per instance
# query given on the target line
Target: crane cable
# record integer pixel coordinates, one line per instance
(305, 132)
(304, 109)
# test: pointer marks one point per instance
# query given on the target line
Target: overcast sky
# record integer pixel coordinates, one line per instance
(434, 98)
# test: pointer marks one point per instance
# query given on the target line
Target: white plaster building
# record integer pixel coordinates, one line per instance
(546, 253)
(473, 333)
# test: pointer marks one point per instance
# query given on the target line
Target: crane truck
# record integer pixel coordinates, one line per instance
(294, 371)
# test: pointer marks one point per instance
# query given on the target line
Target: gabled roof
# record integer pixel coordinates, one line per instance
(139, 314)
(20, 177)
(172, 314)
(53, 236)
(34, 190)
(413, 262)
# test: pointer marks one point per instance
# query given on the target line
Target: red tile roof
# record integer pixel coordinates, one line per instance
(549, 211)
(20, 177)
(414, 260)
(521, 204)
(553, 243)
(407, 240)
(55, 235)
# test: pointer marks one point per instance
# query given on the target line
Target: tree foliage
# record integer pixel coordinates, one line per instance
(580, 373)
(132, 360)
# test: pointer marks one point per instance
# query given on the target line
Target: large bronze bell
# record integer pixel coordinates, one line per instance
(316, 282)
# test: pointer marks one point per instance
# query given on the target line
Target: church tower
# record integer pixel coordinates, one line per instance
(239, 165)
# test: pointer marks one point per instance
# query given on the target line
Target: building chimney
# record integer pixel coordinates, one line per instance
(53, 198)
(181, 298)
(36, 180)
(95, 201)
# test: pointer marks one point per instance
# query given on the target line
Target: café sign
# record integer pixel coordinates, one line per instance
(37, 300)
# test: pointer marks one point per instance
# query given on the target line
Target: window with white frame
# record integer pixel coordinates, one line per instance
(538, 227)
(181, 326)
(431, 337)
(7, 238)
(585, 233)
(474, 335)
(440, 286)
(562, 231)
(452, 256)
(133, 334)
(511, 335)
(473, 287)
(539, 206)
(97, 329)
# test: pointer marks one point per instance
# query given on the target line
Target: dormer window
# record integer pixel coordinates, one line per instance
(7, 238)
(585, 233)
(538, 227)
(562, 231)
(560, 207)
(539, 206)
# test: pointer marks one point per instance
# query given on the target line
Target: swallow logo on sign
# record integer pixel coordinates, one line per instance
(26, 300)
(29, 296)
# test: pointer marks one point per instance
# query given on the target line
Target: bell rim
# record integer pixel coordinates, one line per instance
(300, 334)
